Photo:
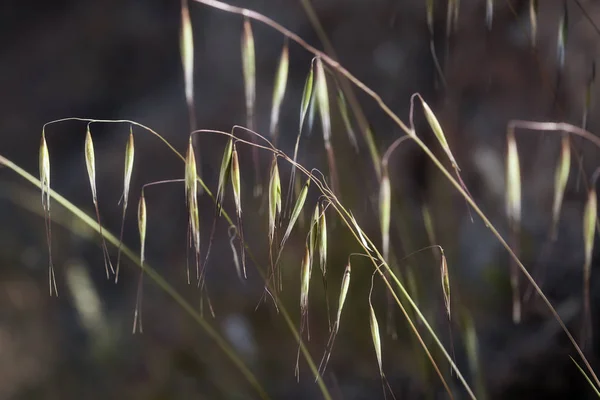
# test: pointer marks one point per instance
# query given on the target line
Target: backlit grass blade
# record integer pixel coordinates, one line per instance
(279, 90)
(90, 163)
(561, 177)
(385, 204)
(44, 158)
(513, 212)
(127, 172)
(343, 107)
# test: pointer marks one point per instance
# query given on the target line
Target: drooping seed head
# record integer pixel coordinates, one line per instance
(359, 232)
(45, 172)
(343, 108)
(142, 226)
(314, 231)
(343, 294)
(224, 171)
(186, 42)
(513, 181)
(249, 71)
(323, 101)
(128, 171)
(306, 272)
(90, 162)
(296, 211)
(191, 174)
(322, 242)
(385, 204)
(561, 177)
(435, 126)
(235, 181)
(589, 225)
(445, 283)
(306, 96)
(279, 89)
(375, 335)
(274, 197)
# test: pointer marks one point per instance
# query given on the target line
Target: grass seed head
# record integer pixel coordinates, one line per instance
(343, 107)
(235, 181)
(128, 171)
(561, 178)
(279, 89)
(439, 133)
(142, 225)
(375, 331)
(314, 231)
(191, 174)
(274, 197)
(343, 294)
(323, 101)
(589, 225)
(45, 172)
(306, 95)
(306, 271)
(186, 42)
(361, 236)
(224, 171)
(445, 283)
(90, 162)
(513, 181)
(249, 71)
(296, 211)
(385, 202)
(322, 242)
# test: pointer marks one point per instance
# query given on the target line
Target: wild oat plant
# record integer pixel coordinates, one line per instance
(326, 80)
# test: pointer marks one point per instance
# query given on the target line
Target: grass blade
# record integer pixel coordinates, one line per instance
(589, 232)
(44, 158)
(445, 284)
(142, 224)
(343, 107)
(513, 212)
(385, 205)
(561, 42)
(191, 188)
(533, 21)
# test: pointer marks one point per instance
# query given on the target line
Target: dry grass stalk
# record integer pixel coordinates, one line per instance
(127, 172)
(142, 225)
(90, 162)
(279, 91)
(561, 177)
(44, 159)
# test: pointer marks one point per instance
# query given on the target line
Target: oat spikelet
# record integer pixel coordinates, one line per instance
(513, 212)
(589, 232)
(375, 331)
(344, 113)
(249, 71)
(561, 177)
(142, 222)
(237, 197)
(279, 90)
(223, 173)
(385, 204)
(306, 271)
(191, 193)
(445, 278)
(296, 211)
(336, 325)
(90, 163)
(274, 198)
(128, 171)
(324, 112)
(322, 250)
(45, 180)
(314, 231)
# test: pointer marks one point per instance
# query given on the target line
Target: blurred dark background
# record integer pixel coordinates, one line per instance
(120, 60)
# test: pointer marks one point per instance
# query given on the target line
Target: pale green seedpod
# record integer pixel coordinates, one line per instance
(385, 206)
(223, 172)
(375, 333)
(589, 228)
(445, 284)
(323, 101)
(322, 242)
(305, 284)
(439, 133)
(191, 174)
(128, 171)
(296, 211)
(186, 42)
(236, 182)
(249, 71)
(513, 181)
(561, 178)
(343, 107)
(306, 96)
(142, 221)
(45, 173)
(279, 89)
(314, 231)
(343, 294)
(274, 198)
(195, 224)
(361, 237)
(90, 162)
(533, 5)
(489, 13)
